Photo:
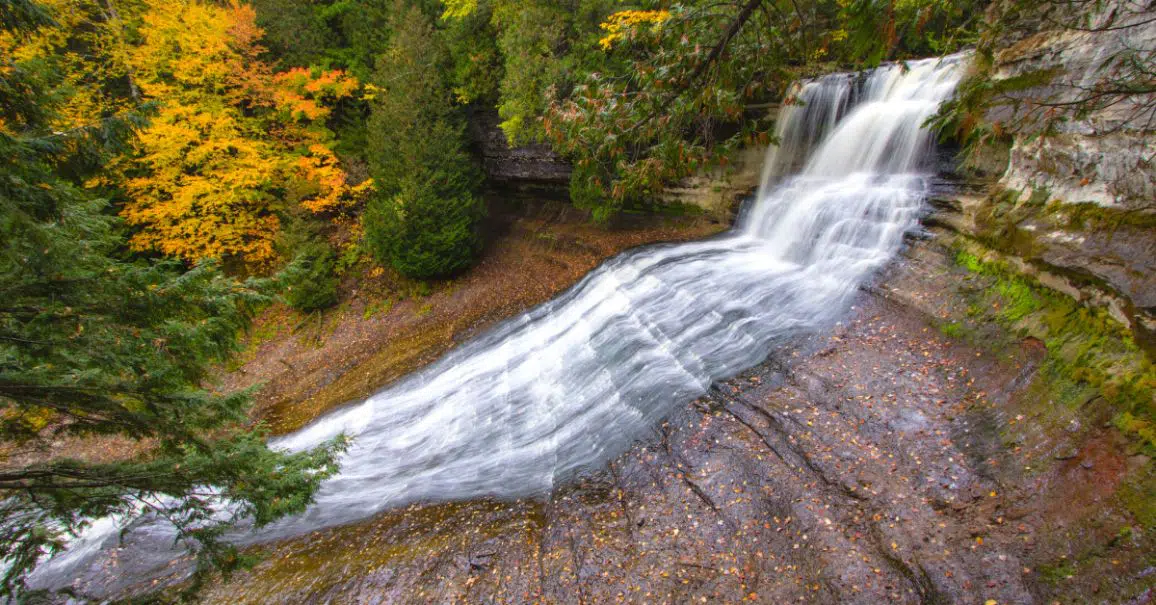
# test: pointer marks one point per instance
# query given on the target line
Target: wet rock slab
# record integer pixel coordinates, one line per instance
(864, 466)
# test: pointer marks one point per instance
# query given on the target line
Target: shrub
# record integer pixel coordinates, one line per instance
(311, 279)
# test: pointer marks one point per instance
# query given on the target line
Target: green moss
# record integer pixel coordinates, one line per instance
(1089, 355)
(952, 329)
(1020, 299)
(1129, 423)
(1058, 571)
(970, 262)
(1094, 216)
(1040, 197)
(375, 308)
(1137, 496)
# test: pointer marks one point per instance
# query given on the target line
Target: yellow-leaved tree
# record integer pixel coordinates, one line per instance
(204, 174)
(303, 98)
(229, 138)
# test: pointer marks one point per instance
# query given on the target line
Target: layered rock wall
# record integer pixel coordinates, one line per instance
(534, 166)
(1070, 189)
(1100, 150)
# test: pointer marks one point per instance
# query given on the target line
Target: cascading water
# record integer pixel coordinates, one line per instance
(573, 382)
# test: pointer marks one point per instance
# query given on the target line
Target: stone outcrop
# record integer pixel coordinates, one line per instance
(534, 166)
(718, 190)
(1101, 263)
(883, 463)
(537, 169)
(890, 461)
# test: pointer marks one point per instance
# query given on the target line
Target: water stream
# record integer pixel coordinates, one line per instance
(574, 382)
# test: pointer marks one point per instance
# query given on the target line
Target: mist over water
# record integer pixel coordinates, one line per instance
(570, 384)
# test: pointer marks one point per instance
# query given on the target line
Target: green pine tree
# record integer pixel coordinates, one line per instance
(424, 220)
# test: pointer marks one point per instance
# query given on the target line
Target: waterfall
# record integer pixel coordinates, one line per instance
(572, 383)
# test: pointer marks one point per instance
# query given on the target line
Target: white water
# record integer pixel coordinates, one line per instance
(573, 382)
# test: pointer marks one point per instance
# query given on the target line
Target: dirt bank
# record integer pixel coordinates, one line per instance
(883, 462)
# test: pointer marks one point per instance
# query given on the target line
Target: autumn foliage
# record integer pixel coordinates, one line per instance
(229, 138)
(620, 24)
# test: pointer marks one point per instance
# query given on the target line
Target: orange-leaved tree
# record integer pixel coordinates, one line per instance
(304, 99)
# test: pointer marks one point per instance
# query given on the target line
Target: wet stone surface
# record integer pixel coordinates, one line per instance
(863, 466)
